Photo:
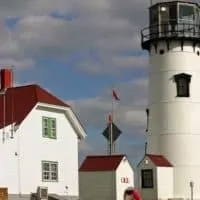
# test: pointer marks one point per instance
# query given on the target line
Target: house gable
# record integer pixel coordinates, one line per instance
(20, 101)
(70, 116)
(156, 160)
(145, 161)
(125, 159)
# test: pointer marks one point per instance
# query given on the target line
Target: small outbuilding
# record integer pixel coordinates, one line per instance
(155, 178)
(105, 177)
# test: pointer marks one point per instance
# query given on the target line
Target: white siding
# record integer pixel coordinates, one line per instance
(165, 182)
(174, 122)
(33, 149)
(97, 185)
(8, 167)
(124, 170)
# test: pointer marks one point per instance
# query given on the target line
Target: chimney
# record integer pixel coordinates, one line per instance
(6, 78)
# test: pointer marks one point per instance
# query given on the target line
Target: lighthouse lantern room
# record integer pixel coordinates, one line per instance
(173, 117)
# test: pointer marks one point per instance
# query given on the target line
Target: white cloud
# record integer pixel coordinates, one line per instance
(129, 116)
(101, 32)
(129, 112)
(104, 34)
(85, 147)
(130, 61)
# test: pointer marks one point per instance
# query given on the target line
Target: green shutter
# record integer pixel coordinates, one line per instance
(43, 126)
(49, 127)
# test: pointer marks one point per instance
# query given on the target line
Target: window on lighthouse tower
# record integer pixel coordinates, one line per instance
(182, 84)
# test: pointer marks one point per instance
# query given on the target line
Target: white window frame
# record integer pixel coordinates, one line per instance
(49, 172)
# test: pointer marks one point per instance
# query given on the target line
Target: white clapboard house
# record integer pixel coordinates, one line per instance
(39, 137)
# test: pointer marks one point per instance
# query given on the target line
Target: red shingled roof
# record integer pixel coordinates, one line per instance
(21, 100)
(159, 160)
(101, 163)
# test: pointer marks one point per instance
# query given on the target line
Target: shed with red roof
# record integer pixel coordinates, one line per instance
(155, 177)
(105, 177)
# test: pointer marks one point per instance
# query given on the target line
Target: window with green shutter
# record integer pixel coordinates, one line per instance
(49, 127)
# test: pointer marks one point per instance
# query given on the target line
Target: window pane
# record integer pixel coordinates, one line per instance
(46, 132)
(53, 123)
(186, 13)
(53, 133)
(183, 87)
(46, 176)
(45, 122)
(147, 178)
(53, 176)
(54, 167)
(182, 84)
(46, 167)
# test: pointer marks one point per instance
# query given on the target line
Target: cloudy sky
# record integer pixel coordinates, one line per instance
(80, 50)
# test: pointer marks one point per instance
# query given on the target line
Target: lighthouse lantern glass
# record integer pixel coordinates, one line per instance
(186, 13)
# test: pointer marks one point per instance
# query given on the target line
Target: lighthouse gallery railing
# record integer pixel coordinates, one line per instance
(168, 30)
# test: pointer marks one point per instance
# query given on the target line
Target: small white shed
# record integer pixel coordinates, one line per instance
(155, 178)
(105, 177)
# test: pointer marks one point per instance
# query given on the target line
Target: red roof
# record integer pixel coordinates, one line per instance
(159, 160)
(21, 100)
(101, 163)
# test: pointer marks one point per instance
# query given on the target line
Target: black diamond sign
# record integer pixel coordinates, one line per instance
(116, 132)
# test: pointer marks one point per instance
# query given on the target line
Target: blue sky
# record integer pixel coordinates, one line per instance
(79, 50)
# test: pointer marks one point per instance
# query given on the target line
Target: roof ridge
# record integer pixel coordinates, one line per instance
(159, 160)
(101, 163)
(116, 155)
(26, 96)
(154, 155)
(22, 86)
(50, 93)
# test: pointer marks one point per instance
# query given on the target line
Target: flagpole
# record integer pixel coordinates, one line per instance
(111, 128)
(111, 141)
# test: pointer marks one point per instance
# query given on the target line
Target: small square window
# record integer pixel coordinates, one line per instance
(49, 171)
(147, 178)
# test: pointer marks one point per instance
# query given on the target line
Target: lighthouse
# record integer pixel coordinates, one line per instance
(170, 168)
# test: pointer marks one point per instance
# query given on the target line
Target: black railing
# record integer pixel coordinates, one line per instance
(170, 30)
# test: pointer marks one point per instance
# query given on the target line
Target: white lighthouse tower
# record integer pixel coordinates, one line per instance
(171, 166)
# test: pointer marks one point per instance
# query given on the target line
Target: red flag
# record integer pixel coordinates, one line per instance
(115, 95)
(110, 119)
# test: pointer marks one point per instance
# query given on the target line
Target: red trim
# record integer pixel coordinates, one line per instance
(21, 100)
(101, 163)
(159, 160)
